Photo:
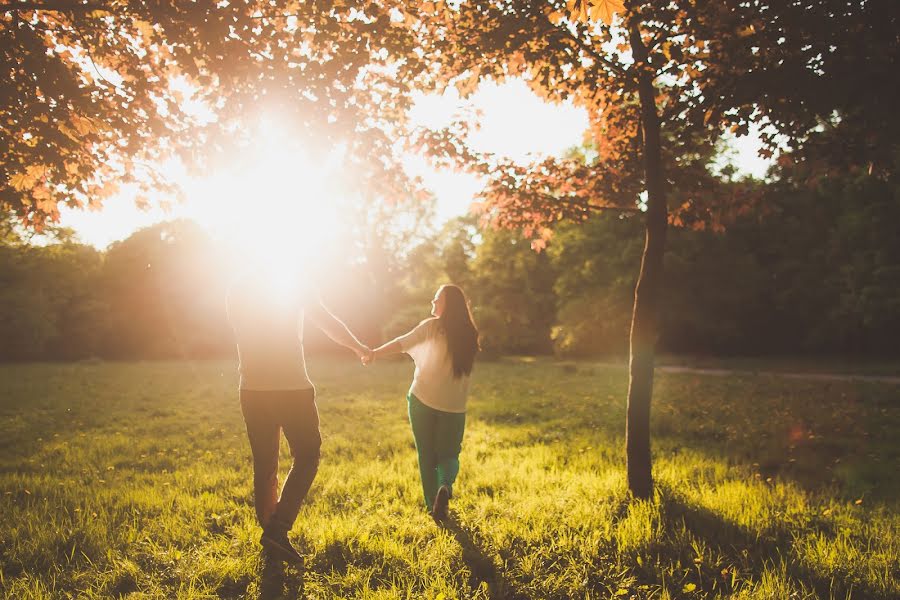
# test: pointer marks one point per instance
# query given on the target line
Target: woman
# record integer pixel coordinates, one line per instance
(443, 348)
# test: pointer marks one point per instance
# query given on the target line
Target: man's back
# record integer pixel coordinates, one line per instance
(268, 328)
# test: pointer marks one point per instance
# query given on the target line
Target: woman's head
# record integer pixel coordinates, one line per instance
(452, 310)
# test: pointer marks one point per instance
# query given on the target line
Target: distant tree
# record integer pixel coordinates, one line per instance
(8, 232)
(511, 289)
(594, 262)
(458, 241)
(832, 254)
(165, 286)
(373, 243)
(509, 286)
(49, 305)
(25, 323)
(444, 256)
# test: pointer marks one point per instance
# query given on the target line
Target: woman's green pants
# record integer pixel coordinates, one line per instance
(438, 436)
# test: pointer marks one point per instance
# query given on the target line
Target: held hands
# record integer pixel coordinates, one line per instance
(366, 355)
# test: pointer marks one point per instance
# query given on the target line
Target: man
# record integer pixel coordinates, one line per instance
(267, 315)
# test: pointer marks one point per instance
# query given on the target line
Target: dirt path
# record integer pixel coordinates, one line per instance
(892, 379)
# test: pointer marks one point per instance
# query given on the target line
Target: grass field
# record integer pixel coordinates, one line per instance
(133, 480)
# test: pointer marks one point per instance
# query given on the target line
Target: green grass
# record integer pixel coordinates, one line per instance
(133, 480)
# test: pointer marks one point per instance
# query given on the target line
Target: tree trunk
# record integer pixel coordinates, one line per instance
(647, 291)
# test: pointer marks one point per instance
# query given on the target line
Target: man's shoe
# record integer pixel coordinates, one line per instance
(441, 504)
(277, 545)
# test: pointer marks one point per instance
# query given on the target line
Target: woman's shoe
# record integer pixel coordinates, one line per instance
(440, 510)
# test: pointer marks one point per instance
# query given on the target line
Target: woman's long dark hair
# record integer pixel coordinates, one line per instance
(459, 327)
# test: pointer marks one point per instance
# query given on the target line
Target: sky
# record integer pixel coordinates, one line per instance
(551, 129)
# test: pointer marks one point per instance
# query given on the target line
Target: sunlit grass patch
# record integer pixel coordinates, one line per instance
(134, 480)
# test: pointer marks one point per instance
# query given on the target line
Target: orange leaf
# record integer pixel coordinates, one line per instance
(468, 85)
(20, 181)
(145, 28)
(83, 125)
(514, 65)
(605, 9)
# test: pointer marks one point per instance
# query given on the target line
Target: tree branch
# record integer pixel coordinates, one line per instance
(85, 46)
(581, 206)
(274, 16)
(615, 68)
(588, 207)
(662, 35)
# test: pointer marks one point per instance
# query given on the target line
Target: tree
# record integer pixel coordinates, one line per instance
(595, 262)
(165, 287)
(372, 245)
(511, 289)
(49, 306)
(831, 254)
(445, 256)
(690, 69)
(97, 93)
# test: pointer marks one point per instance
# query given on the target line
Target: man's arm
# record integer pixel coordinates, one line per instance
(337, 330)
(392, 347)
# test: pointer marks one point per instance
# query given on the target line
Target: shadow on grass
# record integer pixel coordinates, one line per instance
(750, 552)
(276, 581)
(846, 466)
(483, 569)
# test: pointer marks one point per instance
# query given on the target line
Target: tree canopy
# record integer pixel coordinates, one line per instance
(717, 66)
(100, 93)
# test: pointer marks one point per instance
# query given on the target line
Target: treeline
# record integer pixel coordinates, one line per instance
(820, 273)
(153, 295)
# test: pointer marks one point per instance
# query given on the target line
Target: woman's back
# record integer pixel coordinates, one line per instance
(434, 381)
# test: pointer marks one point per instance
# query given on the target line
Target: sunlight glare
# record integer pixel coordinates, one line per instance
(277, 208)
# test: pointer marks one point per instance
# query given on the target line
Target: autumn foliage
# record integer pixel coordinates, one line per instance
(100, 94)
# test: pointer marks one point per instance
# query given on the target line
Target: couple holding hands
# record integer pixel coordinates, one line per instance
(277, 395)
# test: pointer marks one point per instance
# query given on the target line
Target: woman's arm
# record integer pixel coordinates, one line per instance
(404, 342)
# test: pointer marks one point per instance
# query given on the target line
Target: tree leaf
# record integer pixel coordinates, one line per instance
(69, 132)
(19, 181)
(145, 28)
(468, 85)
(604, 10)
(83, 125)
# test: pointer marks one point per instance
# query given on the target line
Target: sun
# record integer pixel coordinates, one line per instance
(277, 206)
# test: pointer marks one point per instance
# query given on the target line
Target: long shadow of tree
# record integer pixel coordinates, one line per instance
(834, 435)
(739, 551)
(744, 556)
